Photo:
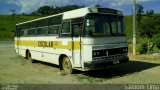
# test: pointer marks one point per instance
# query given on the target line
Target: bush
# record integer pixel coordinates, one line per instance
(143, 46)
(156, 40)
(149, 26)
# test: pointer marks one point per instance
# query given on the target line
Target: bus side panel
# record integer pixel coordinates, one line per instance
(22, 51)
(77, 59)
(36, 53)
(51, 55)
(18, 46)
(87, 53)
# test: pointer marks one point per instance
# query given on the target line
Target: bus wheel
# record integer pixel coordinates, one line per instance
(29, 57)
(67, 66)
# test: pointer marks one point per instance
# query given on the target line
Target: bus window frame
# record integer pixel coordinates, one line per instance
(58, 25)
(70, 29)
(80, 26)
(41, 31)
(78, 21)
(35, 30)
(18, 31)
(119, 18)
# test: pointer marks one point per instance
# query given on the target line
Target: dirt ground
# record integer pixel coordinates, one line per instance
(16, 70)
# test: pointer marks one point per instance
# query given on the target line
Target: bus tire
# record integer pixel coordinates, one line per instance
(66, 66)
(29, 57)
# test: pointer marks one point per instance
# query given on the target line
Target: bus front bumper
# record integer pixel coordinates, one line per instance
(104, 64)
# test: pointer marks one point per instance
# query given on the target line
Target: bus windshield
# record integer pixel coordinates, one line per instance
(104, 25)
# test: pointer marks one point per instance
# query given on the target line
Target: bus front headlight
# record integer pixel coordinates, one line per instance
(125, 50)
(94, 53)
(98, 53)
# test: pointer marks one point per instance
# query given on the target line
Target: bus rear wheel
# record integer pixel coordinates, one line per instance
(29, 57)
(67, 66)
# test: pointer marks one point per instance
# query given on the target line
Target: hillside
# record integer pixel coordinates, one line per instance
(7, 25)
(128, 20)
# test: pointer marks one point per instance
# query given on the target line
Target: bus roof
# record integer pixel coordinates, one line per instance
(40, 18)
(80, 13)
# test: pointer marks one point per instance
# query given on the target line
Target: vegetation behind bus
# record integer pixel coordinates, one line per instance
(148, 31)
(8, 25)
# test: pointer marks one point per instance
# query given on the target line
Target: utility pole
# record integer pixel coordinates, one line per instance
(134, 27)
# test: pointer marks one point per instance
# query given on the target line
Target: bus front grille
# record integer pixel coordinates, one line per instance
(109, 54)
(111, 57)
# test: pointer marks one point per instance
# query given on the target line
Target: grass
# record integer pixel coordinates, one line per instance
(88, 79)
(7, 25)
(141, 56)
(128, 27)
(145, 57)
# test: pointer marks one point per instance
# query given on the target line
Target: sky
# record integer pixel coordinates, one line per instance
(28, 6)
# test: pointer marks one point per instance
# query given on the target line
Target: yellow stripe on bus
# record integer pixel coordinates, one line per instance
(49, 44)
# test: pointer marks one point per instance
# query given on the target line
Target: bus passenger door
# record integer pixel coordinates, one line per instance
(76, 44)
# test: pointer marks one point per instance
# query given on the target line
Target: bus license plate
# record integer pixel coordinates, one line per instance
(115, 62)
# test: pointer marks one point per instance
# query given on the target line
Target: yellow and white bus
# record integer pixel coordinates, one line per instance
(83, 39)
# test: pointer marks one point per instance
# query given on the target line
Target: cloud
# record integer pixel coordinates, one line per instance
(29, 6)
(123, 2)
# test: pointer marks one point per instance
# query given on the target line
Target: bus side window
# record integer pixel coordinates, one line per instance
(25, 32)
(39, 31)
(44, 30)
(66, 29)
(56, 29)
(53, 29)
(22, 32)
(29, 32)
(18, 32)
(76, 29)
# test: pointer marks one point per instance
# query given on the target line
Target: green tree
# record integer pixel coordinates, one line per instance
(13, 13)
(97, 5)
(149, 26)
(156, 40)
(139, 11)
(48, 10)
(45, 10)
(149, 13)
